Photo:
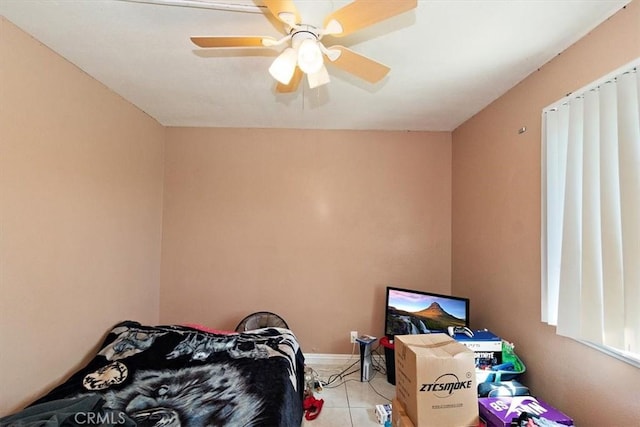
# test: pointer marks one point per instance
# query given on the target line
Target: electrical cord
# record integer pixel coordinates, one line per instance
(338, 379)
(344, 381)
(375, 361)
(335, 377)
(376, 391)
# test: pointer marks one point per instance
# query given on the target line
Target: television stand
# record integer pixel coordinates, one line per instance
(366, 366)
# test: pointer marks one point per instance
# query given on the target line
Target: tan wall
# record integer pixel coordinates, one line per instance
(496, 230)
(309, 224)
(80, 216)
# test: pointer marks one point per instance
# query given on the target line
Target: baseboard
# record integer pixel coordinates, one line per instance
(335, 359)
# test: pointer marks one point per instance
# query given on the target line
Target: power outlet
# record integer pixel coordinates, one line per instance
(354, 335)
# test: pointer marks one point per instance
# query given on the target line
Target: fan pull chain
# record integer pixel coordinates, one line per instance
(304, 91)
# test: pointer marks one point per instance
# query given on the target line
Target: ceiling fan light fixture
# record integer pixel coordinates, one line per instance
(319, 78)
(288, 18)
(309, 56)
(332, 54)
(333, 27)
(284, 66)
(305, 55)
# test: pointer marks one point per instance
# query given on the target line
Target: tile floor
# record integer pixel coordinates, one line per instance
(349, 402)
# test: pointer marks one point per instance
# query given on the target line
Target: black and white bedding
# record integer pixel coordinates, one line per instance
(182, 376)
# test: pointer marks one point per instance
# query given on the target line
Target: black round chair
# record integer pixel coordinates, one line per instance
(261, 319)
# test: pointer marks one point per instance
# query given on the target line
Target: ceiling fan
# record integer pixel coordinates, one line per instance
(305, 53)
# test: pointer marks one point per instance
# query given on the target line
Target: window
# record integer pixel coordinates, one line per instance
(591, 214)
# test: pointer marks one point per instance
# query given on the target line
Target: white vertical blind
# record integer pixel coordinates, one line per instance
(612, 273)
(591, 242)
(591, 320)
(629, 140)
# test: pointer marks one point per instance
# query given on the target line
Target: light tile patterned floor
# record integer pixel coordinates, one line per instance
(349, 402)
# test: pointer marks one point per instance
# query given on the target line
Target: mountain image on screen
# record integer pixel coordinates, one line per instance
(430, 319)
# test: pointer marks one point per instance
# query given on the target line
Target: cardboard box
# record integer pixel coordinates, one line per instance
(482, 340)
(435, 380)
(399, 415)
(487, 359)
(486, 345)
(500, 411)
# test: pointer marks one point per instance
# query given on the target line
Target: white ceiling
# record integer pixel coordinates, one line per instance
(448, 59)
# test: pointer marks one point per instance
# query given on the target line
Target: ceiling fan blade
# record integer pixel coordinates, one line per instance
(284, 10)
(233, 41)
(293, 83)
(361, 66)
(363, 13)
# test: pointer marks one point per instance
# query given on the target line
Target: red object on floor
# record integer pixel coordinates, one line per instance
(312, 407)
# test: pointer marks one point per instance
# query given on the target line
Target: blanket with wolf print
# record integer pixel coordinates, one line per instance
(180, 376)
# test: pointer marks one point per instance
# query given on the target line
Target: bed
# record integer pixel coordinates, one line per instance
(187, 376)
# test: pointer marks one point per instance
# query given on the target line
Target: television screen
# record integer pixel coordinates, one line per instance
(415, 312)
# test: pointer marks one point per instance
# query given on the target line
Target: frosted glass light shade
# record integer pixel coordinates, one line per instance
(309, 56)
(319, 78)
(284, 66)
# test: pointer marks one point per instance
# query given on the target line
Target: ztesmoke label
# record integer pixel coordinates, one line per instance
(446, 384)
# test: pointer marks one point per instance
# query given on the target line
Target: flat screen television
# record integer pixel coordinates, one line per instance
(409, 312)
